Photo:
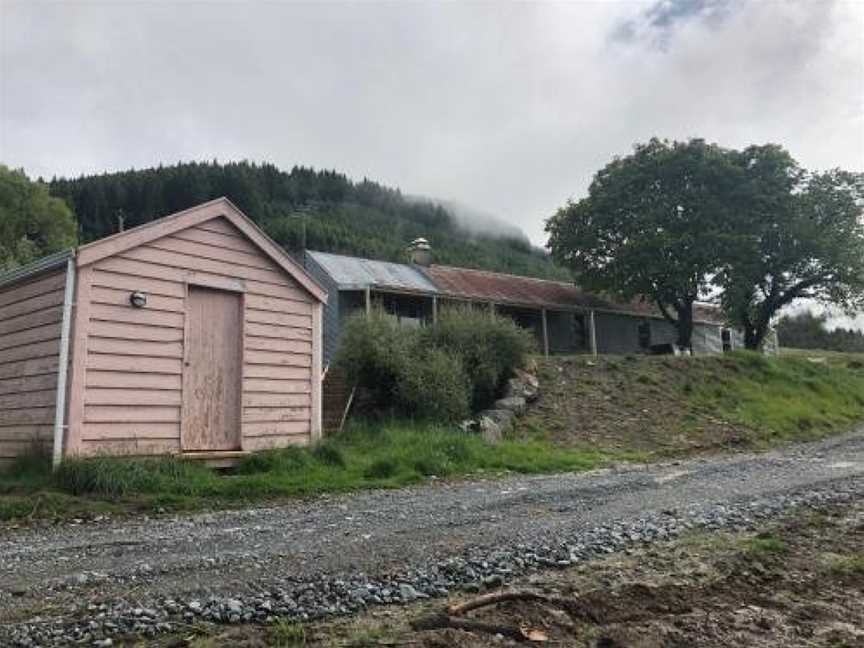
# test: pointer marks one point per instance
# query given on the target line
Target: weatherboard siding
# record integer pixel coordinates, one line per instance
(30, 326)
(330, 320)
(130, 384)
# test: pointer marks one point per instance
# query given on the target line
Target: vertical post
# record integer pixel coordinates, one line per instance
(545, 333)
(368, 301)
(491, 310)
(592, 331)
(434, 309)
(315, 426)
(63, 363)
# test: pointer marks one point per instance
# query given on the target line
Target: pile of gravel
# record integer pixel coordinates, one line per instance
(476, 569)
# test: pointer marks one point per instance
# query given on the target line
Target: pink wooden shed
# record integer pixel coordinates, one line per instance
(194, 334)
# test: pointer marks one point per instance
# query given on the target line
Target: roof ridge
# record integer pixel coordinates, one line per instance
(506, 274)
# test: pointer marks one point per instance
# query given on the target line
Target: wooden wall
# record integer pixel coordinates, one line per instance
(30, 323)
(127, 363)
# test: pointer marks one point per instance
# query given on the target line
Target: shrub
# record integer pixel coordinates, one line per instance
(434, 387)
(439, 372)
(374, 352)
(491, 348)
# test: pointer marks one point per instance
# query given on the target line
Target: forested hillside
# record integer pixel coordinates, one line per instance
(332, 212)
(808, 331)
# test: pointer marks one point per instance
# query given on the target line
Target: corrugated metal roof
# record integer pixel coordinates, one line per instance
(353, 273)
(500, 288)
(508, 289)
(356, 273)
(40, 265)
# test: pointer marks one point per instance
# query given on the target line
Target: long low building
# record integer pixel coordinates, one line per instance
(564, 319)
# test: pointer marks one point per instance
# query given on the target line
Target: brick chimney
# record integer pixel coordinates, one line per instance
(420, 252)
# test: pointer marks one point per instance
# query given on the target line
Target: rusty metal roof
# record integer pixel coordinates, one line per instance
(502, 288)
(482, 285)
(354, 273)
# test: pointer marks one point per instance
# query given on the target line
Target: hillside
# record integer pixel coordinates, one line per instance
(332, 212)
(669, 406)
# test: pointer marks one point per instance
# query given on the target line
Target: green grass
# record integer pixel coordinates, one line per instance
(764, 545)
(366, 455)
(787, 398)
(287, 634)
(848, 565)
(775, 400)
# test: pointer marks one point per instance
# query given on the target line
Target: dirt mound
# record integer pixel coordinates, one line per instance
(631, 403)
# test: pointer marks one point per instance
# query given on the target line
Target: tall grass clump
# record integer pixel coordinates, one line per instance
(440, 372)
(32, 467)
(119, 476)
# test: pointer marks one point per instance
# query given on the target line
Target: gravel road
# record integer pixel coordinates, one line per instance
(89, 582)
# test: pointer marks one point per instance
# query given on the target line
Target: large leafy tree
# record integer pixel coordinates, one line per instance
(653, 227)
(798, 235)
(32, 223)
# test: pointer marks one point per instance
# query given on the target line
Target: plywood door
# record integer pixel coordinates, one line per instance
(211, 372)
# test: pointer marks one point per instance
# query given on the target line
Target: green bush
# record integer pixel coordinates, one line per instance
(434, 386)
(438, 372)
(374, 352)
(490, 347)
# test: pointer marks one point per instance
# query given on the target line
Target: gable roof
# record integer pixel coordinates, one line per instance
(167, 225)
(355, 273)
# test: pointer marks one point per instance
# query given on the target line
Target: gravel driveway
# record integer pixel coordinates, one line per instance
(334, 555)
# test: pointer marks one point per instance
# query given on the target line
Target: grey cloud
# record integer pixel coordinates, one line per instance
(509, 108)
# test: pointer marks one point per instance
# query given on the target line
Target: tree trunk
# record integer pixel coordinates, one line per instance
(685, 326)
(754, 335)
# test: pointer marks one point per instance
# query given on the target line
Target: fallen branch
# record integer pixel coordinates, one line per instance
(458, 609)
(454, 617)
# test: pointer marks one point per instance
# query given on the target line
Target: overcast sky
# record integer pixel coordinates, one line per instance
(508, 108)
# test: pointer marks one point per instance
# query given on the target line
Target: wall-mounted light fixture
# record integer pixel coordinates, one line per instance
(138, 299)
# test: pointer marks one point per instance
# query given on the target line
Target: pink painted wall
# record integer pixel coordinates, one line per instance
(126, 384)
(30, 316)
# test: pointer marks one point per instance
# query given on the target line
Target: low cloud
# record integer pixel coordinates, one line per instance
(509, 108)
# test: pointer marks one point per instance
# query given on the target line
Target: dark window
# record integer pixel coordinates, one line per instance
(726, 337)
(644, 334)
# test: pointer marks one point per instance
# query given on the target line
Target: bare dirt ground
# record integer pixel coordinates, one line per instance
(797, 582)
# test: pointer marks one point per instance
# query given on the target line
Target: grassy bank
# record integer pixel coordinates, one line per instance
(592, 412)
(386, 455)
(667, 405)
